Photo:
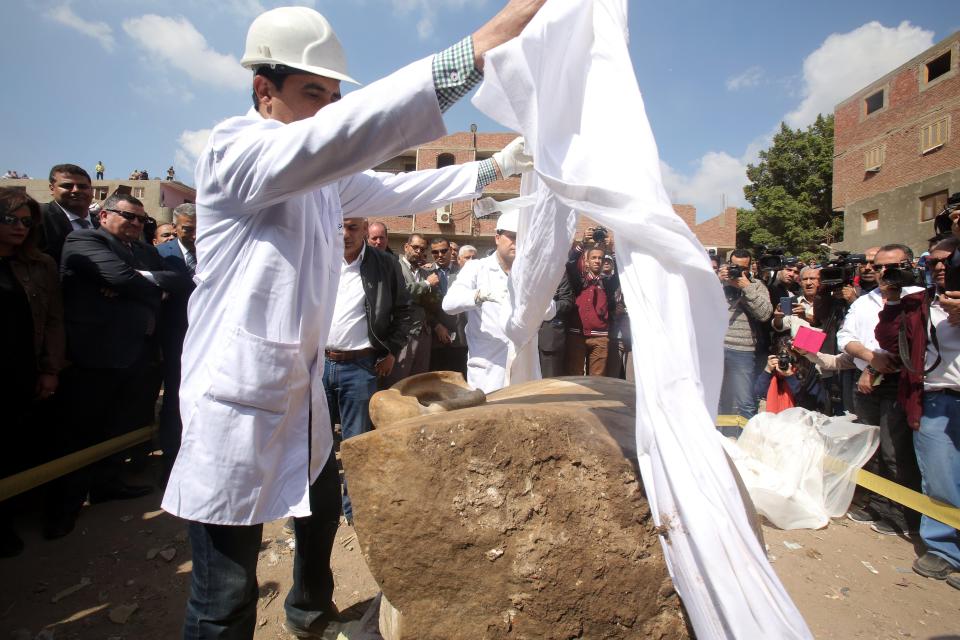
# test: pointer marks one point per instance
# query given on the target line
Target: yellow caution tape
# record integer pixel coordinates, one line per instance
(731, 421)
(945, 513)
(32, 478)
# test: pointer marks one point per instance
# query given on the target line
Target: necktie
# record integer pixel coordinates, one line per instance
(443, 281)
(84, 223)
(191, 261)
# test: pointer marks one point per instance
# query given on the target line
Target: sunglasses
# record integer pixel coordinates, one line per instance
(933, 262)
(439, 252)
(11, 220)
(126, 215)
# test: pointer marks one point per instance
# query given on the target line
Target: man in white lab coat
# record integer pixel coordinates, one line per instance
(273, 187)
(478, 291)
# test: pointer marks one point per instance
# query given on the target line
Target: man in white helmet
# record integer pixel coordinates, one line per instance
(479, 291)
(273, 187)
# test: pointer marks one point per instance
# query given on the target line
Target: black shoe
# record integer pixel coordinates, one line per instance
(863, 515)
(59, 525)
(119, 491)
(886, 528)
(933, 566)
(10, 543)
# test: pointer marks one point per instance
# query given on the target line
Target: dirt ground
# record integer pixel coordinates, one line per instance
(123, 574)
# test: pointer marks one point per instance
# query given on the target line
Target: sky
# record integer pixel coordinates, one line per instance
(138, 85)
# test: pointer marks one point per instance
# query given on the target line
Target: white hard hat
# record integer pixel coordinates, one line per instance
(509, 221)
(296, 37)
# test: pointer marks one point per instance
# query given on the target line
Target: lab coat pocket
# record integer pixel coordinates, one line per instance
(256, 372)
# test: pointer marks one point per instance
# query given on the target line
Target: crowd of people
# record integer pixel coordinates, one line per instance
(14, 175)
(94, 317)
(885, 326)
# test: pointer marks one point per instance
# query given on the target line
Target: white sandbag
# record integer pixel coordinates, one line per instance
(800, 466)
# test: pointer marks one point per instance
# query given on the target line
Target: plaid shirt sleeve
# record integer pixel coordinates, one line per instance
(454, 74)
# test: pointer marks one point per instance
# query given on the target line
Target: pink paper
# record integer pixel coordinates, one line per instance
(809, 339)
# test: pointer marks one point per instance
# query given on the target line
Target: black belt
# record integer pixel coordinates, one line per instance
(347, 356)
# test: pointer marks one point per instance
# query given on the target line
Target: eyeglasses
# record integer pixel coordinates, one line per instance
(70, 186)
(11, 220)
(126, 215)
(440, 252)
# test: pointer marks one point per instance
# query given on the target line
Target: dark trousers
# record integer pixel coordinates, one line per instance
(171, 426)
(224, 589)
(447, 358)
(895, 459)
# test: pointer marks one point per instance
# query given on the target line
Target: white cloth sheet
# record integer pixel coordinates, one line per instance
(567, 84)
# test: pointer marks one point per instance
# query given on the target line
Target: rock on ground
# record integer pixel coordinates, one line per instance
(520, 518)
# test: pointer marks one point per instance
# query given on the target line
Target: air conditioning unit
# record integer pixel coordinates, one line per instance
(443, 214)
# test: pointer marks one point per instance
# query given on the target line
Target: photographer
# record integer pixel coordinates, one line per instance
(929, 391)
(789, 380)
(875, 400)
(749, 310)
(590, 349)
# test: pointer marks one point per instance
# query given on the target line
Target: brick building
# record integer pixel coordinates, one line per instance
(159, 197)
(459, 224)
(896, 157)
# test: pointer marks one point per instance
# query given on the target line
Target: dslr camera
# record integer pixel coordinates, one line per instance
(785, 359)
(600, 235)
(734, 271)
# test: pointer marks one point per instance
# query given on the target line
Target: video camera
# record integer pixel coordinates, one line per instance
(841, 271)
(942, 223)
(773, 259)
(902, 275)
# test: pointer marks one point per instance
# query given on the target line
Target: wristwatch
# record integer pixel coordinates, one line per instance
(872, 371)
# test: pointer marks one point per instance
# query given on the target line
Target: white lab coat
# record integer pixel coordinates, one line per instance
(487, 345)
(270, 203)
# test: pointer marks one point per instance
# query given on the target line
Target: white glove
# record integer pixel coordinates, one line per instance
(512, 160)
(489, 295)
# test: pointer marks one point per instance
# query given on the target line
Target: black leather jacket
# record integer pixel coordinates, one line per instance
(387, 303)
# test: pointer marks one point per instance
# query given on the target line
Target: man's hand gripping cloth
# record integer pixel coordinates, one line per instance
(567, 85)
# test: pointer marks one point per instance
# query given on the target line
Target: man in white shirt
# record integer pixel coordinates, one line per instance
(273, 188)
(478, 291)
(875, 402)
(371, 325)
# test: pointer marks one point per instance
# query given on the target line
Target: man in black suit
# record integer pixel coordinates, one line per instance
(113, 285)
(448, 351)
(69, 210)
(179, 256)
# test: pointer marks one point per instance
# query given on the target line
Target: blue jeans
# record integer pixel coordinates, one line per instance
(349, 386)
(937, 443)
(224, 590)
(736, 394)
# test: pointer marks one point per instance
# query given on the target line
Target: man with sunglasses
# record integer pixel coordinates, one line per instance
(69, 210)
(448, 351)
(868, 273)
(113, 284)
(929, 391)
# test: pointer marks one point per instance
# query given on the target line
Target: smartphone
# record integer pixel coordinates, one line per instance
(786, 305)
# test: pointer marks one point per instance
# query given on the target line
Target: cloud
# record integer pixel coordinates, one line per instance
(847, 62)
(189, 146)
(175, 42)
(749, 78)
(160, 87)
(428, 11)
(99, 31)
(718, 175)
(834, 71)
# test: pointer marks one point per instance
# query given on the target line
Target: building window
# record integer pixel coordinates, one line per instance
(137, 192)
(932, 204)
(100, 193)
(874, 102)
(871, 221)
(445, 160)
(410, 166)
(873, 159)
(933, 136)
(938, 66)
